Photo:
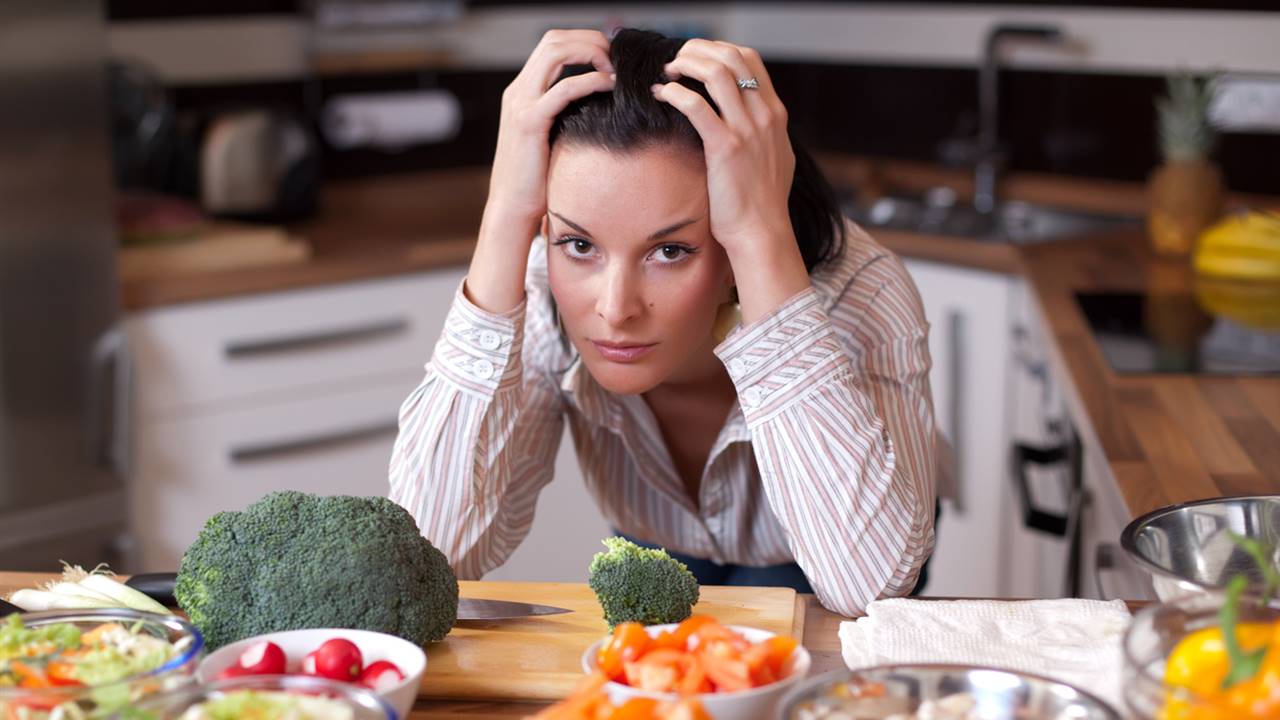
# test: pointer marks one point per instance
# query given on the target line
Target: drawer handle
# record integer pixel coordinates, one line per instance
(244, 349)
(1104, 558)
(261, 453)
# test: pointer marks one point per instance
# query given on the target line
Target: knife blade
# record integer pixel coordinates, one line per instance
(480, 609)
(159, 587)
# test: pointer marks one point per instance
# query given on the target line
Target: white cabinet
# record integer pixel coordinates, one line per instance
(992, 391)
(969, 343)
(300, 390)
(190, 467)
(295, 390)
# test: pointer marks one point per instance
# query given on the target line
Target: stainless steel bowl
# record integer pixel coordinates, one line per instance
(879, 692)
(1188, 548)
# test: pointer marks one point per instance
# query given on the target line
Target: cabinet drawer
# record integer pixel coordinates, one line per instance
(190, 356)
(189, 468)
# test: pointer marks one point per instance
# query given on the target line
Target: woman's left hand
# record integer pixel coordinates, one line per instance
(750, 166)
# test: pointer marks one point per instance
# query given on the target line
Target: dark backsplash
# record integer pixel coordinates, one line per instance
(1083, 124)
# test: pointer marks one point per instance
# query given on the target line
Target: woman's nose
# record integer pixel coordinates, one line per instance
(619, 299)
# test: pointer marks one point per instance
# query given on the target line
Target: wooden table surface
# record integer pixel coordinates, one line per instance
(820, 638)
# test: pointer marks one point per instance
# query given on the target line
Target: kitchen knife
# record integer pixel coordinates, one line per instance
(8, 608)
(159, 587)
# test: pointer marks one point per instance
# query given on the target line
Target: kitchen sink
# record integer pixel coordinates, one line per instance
(937, 213)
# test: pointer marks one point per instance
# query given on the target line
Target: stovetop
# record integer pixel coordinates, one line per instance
(1172, 333)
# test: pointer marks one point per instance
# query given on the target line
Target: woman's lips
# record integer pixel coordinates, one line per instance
(621, 353)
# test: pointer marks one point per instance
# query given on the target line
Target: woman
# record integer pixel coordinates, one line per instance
(671, 208)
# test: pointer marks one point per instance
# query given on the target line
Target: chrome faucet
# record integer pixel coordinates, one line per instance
(988, 154)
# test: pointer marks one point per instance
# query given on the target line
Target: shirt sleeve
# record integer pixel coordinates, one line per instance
(478, 439)
(841, 421)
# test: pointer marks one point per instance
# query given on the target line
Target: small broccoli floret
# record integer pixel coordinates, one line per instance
(635, 584)
(293, 560)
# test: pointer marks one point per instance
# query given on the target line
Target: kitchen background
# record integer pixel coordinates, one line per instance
(293, 185)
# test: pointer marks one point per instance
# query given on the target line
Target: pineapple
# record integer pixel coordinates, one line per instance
(1185, 131)
(1186, 192)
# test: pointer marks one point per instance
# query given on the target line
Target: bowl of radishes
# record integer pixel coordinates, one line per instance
(388, 665)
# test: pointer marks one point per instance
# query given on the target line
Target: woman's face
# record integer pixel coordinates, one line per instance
(633, 268)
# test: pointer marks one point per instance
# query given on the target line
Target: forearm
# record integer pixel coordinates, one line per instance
(495, 280)
(768, 271)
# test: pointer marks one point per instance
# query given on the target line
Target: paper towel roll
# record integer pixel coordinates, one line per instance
(391, 121)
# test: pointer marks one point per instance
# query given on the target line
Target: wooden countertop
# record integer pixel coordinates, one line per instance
(365, 229)
(1167, 438)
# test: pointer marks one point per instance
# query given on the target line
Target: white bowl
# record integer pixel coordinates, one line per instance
(741, 705)
(374, 646)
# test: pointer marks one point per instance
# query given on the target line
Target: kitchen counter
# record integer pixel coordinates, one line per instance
(1166, 438)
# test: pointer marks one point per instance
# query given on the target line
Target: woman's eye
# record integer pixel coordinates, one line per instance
(670, 253)
(577, 247)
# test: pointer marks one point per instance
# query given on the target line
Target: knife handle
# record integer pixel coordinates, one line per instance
(8, 608)
(157, 586)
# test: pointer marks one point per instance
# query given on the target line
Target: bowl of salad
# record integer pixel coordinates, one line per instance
(1205, 656)
(79, 663)
(264, 697)
(736, 673)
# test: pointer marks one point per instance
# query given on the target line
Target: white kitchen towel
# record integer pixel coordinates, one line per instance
(1073, 641)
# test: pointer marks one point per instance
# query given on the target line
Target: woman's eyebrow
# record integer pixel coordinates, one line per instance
(571, 223)
(656, 236)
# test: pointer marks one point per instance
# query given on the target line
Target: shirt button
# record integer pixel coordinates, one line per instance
(752, 396)
(489, 340)
(737, 366)
(482, 369)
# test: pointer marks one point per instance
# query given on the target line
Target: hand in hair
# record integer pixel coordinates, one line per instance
(750, 168)
(517, 186)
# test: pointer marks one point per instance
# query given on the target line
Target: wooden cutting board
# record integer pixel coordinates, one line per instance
(541, 658)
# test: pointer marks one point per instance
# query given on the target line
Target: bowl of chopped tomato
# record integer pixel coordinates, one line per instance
(735, 672)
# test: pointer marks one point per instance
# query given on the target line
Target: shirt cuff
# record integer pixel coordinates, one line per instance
(478, 350)
(778, 359)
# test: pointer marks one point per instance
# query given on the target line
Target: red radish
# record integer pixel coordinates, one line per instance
(339, 659)
(232, 671)
(309, 664)
(381, 676)
(263, 658)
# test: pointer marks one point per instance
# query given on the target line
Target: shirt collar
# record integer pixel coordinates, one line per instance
(605, 409)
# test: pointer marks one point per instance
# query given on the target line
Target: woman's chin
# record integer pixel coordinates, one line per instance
(624, 379)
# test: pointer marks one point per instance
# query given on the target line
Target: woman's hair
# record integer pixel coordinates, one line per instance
(631, 118)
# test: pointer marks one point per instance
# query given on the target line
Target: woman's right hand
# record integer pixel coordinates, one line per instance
(518, 181)
(530, 105)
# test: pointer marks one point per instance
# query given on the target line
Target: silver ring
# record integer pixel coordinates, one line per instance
(748, 84)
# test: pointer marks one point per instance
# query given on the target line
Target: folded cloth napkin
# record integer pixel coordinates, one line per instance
(1073, 641)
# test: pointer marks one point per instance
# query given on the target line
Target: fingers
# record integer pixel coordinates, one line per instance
(568, 90)
(721, 82)
(559, 48)
(715, 134)
(710, 62)
(766, 92)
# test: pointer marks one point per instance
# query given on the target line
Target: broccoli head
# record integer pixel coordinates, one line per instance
(635, 584)
(293, 560)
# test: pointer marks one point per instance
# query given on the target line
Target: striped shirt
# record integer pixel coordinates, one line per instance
(826, 459)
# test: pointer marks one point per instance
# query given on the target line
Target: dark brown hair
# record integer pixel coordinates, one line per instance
(631, 118)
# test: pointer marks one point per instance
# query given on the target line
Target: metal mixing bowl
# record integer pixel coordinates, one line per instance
(879, 692)
(1188, 548)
